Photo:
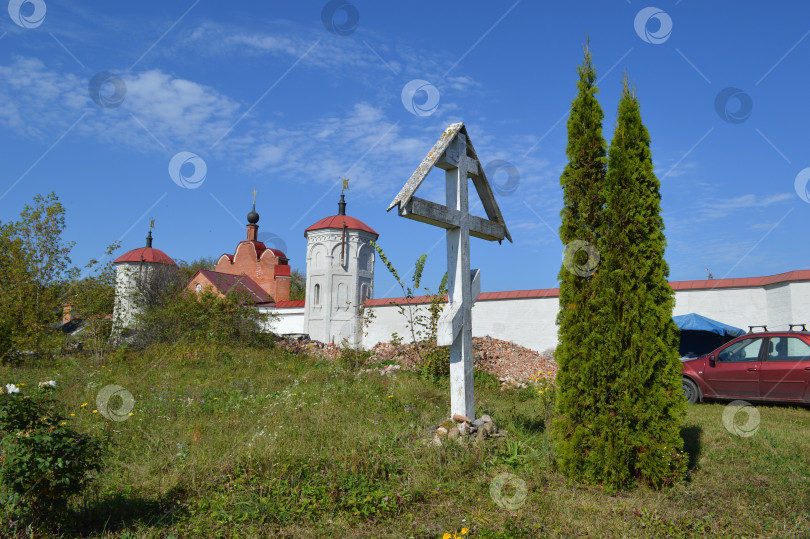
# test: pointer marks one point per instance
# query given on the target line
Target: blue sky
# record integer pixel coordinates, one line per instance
(286, 97)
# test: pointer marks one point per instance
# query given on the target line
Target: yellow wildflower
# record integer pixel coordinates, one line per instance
(83, 405)
(72, 415)
(95, 411)
(464, 531)
(446, 536)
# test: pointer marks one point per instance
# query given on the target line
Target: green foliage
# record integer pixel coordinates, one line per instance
(255, 442)
(183, 316)
(44, 461)
(547, 395)
(298, 285)
(437, 363)
(582, 181)
(619, 407)
(353, 358)
(302, 493)
(640, 401)
(188, 269)
(91, 299)
(33, 271)
(422, 322)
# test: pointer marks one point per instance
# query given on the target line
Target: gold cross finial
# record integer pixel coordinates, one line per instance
(254, 196)
(151, 224)
(345, 184)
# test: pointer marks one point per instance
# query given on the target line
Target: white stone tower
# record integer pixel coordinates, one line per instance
(137, 264)
(340, 276)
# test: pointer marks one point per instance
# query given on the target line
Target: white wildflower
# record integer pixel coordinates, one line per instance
(11, 388)
(49, 383)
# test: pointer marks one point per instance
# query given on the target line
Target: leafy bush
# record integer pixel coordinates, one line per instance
(44, 462)
(33, 270)
(353, 358)
(186, 316)
(436, 365)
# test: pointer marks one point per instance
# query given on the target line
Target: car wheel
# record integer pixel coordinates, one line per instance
(690, 391)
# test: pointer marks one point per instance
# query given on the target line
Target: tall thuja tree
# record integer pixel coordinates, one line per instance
(579, 376)
(637, 434)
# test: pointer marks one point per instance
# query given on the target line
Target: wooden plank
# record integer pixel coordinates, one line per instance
(428, 162)
(434, 214)
(485, 193)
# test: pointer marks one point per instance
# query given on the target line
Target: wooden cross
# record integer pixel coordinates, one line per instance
(455, 154)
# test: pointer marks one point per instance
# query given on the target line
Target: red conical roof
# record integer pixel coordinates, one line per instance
(336, 221)
(145, 254)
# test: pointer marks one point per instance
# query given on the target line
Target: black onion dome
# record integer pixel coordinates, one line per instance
(253, 217)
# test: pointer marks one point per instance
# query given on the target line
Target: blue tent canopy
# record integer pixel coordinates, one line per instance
(695, 322)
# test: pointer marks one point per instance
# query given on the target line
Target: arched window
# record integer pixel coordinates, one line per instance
(317, 294)
(364, 295)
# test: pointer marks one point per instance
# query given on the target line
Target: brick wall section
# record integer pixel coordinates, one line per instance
(262, 265)
(206, 285)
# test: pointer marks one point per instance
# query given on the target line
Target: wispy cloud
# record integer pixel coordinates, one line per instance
(724, 207)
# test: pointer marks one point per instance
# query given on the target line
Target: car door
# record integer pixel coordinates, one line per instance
(735, 370)
(785, 373)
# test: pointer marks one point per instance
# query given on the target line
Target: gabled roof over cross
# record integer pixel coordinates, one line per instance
(443, 155)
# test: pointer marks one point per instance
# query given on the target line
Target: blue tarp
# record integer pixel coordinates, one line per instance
(701, 335)
(695, 322)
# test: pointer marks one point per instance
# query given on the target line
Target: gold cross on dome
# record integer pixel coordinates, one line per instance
(151, 224)
(254, 196)
(345, 184)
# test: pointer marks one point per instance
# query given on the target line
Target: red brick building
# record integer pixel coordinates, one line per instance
(269, 268)
(223, 283)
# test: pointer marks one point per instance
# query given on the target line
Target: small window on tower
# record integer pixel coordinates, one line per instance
(317, 294)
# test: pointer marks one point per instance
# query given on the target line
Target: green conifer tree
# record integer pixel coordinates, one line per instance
(637, 432)
(582, 182)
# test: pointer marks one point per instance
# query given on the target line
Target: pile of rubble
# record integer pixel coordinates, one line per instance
(462, 429)
(303, 345)
(511, 363)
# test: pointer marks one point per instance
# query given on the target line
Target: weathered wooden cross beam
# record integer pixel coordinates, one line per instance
(455, 154)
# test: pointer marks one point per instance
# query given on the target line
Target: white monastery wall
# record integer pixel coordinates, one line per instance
(531, 322)
(739, 307)
(289, 320)
(800, 303)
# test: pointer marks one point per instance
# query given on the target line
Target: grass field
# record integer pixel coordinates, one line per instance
(251, 443)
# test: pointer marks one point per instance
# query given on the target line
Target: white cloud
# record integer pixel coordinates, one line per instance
(725, 207)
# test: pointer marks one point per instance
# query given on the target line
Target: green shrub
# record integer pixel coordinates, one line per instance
(436, 365)
(44, 462)
(353, 358)
(185, 316)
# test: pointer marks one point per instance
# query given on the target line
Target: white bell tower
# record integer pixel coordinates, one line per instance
(340, 277)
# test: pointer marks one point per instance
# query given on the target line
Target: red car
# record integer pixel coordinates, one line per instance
(765, 366)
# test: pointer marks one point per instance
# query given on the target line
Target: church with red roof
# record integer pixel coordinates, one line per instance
(267, 268)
